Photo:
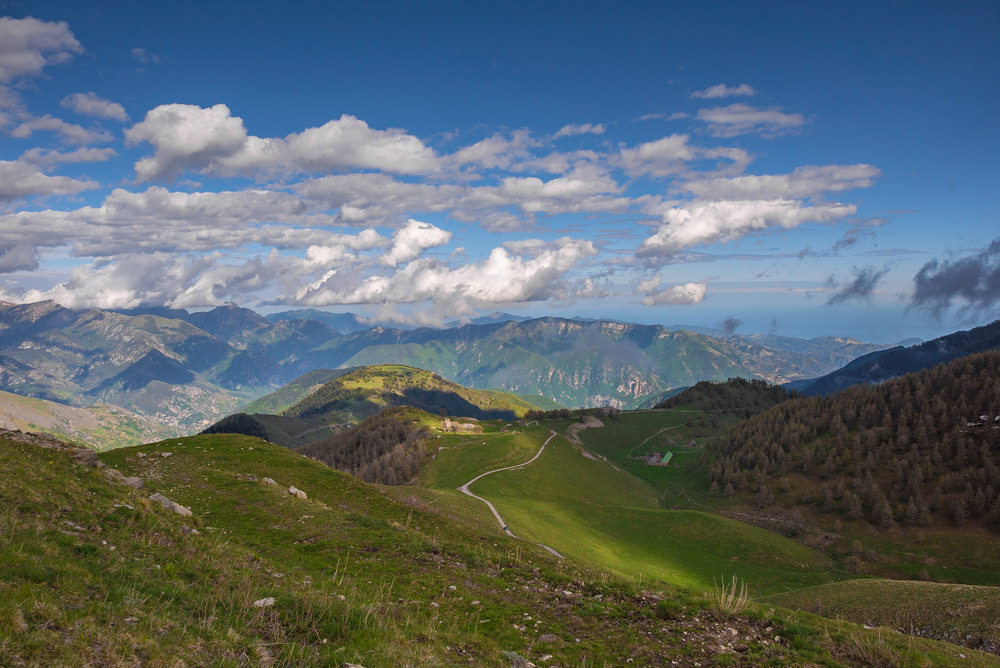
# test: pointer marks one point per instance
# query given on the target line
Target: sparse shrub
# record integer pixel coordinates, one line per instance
(872, 651)
(730, 598)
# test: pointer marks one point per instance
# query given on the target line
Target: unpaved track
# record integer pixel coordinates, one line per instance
(464, 489)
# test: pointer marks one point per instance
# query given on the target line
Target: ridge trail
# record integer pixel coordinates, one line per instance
(464, 489)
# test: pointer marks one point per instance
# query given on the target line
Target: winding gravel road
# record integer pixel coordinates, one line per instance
(464, 489)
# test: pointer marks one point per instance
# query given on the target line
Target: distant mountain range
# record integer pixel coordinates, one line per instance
(881, 365)
(189, 369)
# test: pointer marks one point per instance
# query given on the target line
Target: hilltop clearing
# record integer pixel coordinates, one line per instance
(356, 394)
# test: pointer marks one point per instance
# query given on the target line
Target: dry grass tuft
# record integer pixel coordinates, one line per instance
(730, 598)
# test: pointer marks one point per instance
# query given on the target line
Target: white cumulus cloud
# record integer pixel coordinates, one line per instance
(686, 293)
(704, 222)
(91, 104)
(722, 90)
(27, 45)
(68, 132)
(660, 158)
(581, 129)
(411, 241)
(741, 119)
(21, 178)
(501, 278)
(213, 141)
(806, 181)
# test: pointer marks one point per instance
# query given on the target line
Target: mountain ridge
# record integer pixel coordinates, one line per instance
(208, 363)
(879, 366)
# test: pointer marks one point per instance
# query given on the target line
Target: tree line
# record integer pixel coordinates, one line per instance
(738, 396)
(388, 448)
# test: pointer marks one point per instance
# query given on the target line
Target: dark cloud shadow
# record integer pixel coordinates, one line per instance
(974, 280)
(862, 287)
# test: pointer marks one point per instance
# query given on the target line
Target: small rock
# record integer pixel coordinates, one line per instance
(474, 603)
(434, 605)
(133, 481)
(452, 588)
(249, 477)
(170, 505)
(86, 457)
(268, 481)
(141, 455)
(264, 602)
(298, 493)
(545, 658)
(549, 637)
(185, 529)
(165, 454)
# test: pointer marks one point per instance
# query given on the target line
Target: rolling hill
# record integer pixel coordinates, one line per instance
(285, 561)
(352, 395)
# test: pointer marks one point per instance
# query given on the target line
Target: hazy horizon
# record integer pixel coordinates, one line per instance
(801, 170)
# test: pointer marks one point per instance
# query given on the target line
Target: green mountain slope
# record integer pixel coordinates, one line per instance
(188, 369)
(579, 363)
(98, 426)
(595, 513)
(964, 614)
(364, 391)
(359, 393)
(97, 573)
(283, 398)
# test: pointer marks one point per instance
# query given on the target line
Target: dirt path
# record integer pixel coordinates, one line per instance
(589, 422)
(464, 489)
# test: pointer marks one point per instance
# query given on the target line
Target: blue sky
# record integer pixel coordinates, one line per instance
(796, 168)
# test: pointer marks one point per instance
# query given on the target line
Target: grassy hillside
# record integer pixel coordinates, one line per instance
(590, 511)
(353, 395)
(99, 426)
(97, 573)
(293, 392)
(366, 390)
(966, 614)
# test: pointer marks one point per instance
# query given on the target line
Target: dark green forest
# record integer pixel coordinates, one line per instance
(388, 448)
(739, 396)
(913, 451)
